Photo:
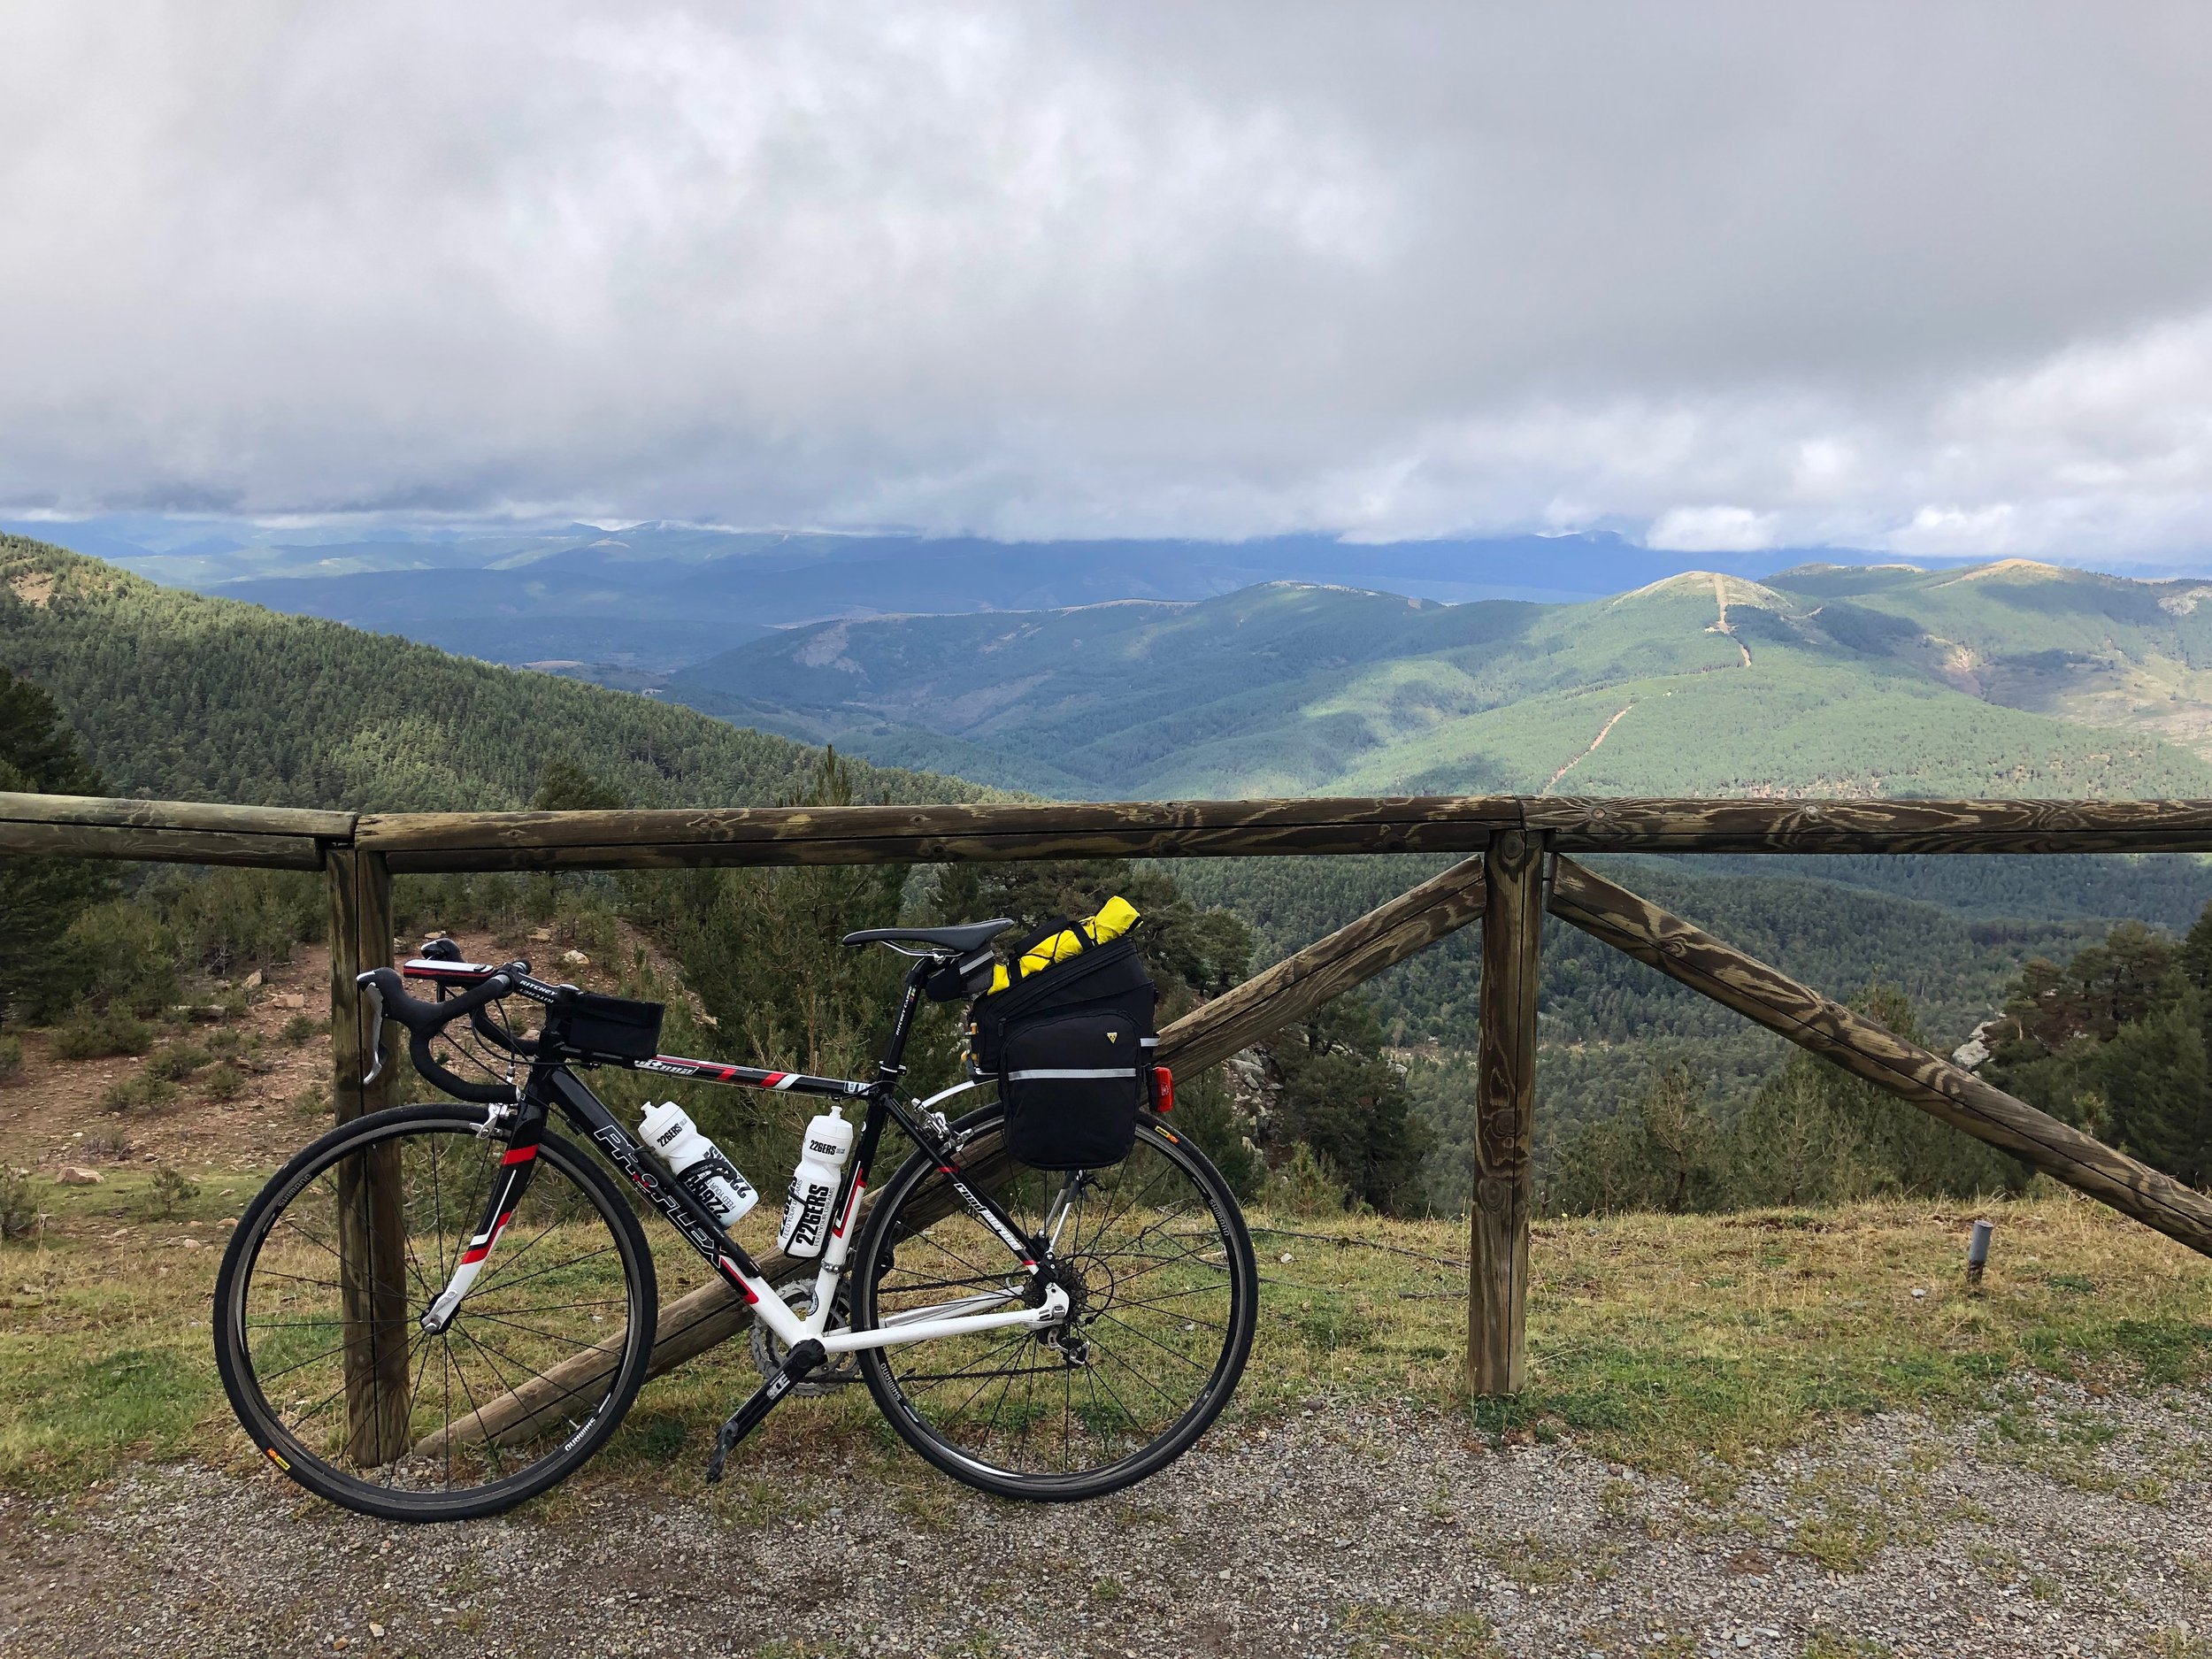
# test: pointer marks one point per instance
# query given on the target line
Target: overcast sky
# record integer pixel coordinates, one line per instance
(1937, 278)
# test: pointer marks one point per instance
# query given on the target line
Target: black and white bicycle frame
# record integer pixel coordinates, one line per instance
(552, 1086)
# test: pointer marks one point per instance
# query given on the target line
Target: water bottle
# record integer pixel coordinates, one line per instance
(697, 1162)
(829, 1138)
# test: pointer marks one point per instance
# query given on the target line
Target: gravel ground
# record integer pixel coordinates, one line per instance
(2057, 1523)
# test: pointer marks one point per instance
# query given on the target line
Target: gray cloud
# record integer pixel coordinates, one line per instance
(1725, 276)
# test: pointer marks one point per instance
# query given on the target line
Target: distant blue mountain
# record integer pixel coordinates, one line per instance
(658, 597)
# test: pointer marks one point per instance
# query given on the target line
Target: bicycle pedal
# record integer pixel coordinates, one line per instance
(741, 1422)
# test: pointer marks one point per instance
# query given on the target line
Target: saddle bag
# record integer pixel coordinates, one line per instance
(1070, 1048)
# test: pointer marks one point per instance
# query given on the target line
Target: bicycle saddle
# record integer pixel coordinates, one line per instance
(967, 936)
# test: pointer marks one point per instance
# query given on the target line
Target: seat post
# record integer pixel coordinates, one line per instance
(895, 1049)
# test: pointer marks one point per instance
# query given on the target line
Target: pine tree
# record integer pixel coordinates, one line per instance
(1343, 1099)
(40, 898)
(2157, 1080)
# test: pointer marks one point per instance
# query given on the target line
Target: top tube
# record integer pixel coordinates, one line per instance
(750, 1076)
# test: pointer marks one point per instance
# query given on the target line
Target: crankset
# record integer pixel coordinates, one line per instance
(769, 1353)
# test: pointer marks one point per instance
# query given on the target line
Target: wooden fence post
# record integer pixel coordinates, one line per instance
(372, 1235)
(1505, 1099)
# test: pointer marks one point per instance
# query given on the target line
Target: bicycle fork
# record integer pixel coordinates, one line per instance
(500, 1204)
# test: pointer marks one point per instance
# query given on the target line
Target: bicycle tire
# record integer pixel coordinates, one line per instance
(920, 1425)
(354, 1485)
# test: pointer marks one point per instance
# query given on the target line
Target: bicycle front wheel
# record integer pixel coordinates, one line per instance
(1158, 1267)
(318, 1306)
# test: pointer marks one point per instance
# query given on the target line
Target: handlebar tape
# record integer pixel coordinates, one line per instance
(423, 1021)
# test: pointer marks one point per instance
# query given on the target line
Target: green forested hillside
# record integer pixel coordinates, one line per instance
(2005, 679)
(1950, 945)
(179, 696)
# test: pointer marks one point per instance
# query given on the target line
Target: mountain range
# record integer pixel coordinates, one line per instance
(2008, 679)
(655, 598)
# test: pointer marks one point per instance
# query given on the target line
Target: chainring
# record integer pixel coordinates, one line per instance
(769, 1351)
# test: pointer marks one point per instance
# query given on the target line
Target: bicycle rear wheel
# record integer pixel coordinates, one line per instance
(1156, 1259)
(571, 1276)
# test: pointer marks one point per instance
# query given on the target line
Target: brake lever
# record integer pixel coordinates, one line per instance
(375, 998)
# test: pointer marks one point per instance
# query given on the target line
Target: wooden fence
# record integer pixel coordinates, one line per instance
(1518, 870)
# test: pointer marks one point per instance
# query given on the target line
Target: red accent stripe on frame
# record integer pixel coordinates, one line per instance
(519, 1155)
(852, 1204)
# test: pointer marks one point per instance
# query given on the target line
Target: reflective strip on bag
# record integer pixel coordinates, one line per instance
(1059, 1075)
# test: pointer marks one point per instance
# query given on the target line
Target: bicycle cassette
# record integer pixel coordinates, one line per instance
(769, 1351)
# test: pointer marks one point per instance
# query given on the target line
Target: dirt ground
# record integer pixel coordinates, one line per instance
(1338, 1532)
(51, 1112)
(52, 1115)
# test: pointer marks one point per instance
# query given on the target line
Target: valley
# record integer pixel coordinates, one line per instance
(2011, 679)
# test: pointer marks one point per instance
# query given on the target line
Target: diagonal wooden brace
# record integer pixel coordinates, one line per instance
(1863, 1049)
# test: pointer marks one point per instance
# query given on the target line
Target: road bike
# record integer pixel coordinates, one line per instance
(434, 1312)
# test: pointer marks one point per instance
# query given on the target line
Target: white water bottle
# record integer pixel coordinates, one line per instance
(697, 1162)
(806, 1219)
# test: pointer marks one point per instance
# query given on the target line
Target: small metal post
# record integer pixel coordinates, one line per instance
(1977, 1253)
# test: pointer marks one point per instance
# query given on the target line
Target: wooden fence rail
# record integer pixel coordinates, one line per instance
(1516, 878)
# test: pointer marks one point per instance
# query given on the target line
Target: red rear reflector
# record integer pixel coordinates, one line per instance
(1162, 1089)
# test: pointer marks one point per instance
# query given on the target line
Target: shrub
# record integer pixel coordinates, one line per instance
(90, 1033)
(1307, 1185)
(177, 1062)
(116, 953)
(227, 919)
(18, 1206)
(169, 1195)
(141, 1093)
(11, 1056)
(299, 1028)
(223, 1081)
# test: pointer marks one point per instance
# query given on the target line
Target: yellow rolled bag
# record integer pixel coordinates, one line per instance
(1110, 920)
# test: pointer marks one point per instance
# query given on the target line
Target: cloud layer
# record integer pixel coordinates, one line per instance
(1939, 278)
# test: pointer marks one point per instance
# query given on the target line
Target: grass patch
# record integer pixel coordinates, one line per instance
(1637, 1355)
(1675, 1345)
(1385, 1633)
(105, 1354)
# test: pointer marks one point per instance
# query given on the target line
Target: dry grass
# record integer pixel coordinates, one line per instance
(1695, 1346)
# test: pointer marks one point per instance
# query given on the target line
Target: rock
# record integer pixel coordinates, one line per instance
(575, 958)
(190, 1244)
(290, 998)
(541, 935)
(72, 1175)
(253, 980)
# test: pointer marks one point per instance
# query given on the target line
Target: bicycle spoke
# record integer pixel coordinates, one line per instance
(560, 1288)
(1152, 1320)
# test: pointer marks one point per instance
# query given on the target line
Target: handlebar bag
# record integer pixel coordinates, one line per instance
(1070, 1048)
(605, 1027)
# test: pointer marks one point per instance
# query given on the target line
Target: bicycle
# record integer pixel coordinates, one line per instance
(976, 1291)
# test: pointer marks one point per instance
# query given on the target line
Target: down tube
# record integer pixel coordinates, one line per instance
(700, 1229)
